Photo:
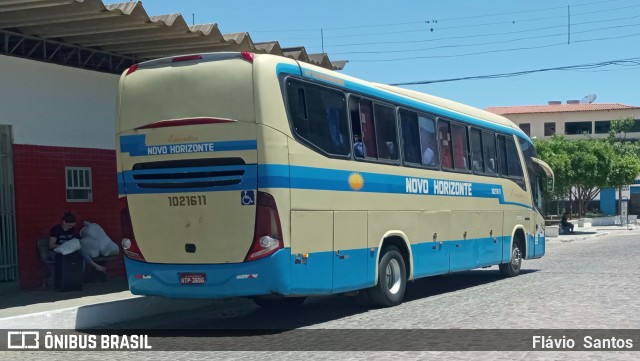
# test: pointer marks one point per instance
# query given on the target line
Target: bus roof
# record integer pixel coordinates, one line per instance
(449, 106)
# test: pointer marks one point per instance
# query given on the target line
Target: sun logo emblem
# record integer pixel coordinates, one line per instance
(356, 182)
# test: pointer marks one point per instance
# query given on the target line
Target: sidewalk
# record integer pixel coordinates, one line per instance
(102, 303)
(581, 233)
(97, 305)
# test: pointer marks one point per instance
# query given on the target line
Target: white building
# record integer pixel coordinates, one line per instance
(573, 120)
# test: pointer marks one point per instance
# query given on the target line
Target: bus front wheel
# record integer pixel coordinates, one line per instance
(392, 279)
(512, 268)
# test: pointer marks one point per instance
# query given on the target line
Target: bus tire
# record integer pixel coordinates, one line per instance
(512, 268)
(279, 302)
(392, 279)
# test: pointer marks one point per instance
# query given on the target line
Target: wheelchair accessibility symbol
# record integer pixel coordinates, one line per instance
(247, 198)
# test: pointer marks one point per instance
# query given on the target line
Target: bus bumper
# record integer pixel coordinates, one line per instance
(265, 276)
(536, 246)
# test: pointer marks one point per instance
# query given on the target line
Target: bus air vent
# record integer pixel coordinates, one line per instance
(189, 173)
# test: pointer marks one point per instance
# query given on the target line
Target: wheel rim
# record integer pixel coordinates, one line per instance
(394, 276)
(516, 258)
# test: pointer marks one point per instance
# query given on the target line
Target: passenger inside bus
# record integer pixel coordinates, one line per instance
(427, 141)
(358, 147)
(491, 166)
(445, 144)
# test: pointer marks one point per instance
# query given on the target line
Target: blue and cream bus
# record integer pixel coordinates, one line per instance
(255, 175)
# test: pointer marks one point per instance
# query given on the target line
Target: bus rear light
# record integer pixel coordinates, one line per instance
(267, 237)
(132, 68)
(129, 244)
(131, 249)
(186, 58)
(248, 56)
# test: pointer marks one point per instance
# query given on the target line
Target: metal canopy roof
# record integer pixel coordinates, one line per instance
(92, 35)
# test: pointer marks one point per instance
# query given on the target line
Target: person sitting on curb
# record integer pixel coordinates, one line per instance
(566, 224)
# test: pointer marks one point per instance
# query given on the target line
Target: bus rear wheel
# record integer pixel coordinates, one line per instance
(278, 302)
(512, 268)
(392, 279)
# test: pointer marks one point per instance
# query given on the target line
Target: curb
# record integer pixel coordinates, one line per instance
(103, 314)
(616, 229)
(599, 234)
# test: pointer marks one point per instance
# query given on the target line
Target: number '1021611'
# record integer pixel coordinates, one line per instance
(186, 201)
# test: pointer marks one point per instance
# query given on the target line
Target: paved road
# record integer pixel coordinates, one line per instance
(590, 283)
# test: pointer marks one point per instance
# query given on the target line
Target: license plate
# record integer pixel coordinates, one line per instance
(193, 278)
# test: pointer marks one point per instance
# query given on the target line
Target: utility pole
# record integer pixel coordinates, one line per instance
(322, 39)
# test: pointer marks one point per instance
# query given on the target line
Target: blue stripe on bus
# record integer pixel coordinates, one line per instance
(288, 69)
(322, 272)
(261, 277)
(136, 146)
(391, 97)
(535, 250)
(300, 177)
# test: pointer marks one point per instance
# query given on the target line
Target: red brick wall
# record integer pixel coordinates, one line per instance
(40, 193)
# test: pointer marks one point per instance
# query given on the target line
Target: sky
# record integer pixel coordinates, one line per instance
(397, 41)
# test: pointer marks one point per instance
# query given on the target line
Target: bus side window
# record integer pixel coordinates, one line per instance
(356, 129)
(502, 156)
(368, 129)
(477, 160)
(428, 144)
(319, 116)
(513, 159)
(490, 157)
(298, 109)
(445, 144)
(386, 132)
(459, 136)
(514, 167)
(410, 136)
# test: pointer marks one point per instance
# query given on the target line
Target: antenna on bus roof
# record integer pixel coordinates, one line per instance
(588, 99)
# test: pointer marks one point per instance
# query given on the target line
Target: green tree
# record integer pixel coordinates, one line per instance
(583, 166)
(621, 126)
(618, 138)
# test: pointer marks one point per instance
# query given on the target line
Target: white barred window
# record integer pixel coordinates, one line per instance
(79, 184)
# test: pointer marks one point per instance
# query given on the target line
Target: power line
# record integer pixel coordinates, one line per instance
(628, 67)
(452, 46)
(441, 19)
(506, 22)
(635, 61)
(460, 37)
(483, 35)
(526, 11)
(488, 51)
(458, 55)
(486, 43)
